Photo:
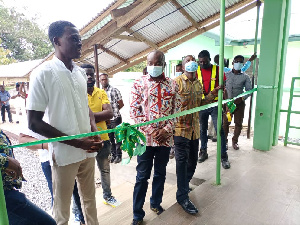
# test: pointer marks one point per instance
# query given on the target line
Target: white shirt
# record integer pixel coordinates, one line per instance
(64, 93)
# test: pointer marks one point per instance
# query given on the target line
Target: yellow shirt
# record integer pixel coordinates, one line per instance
(96, 101)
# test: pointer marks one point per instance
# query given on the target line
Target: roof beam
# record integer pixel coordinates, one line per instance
(141, 38)
(186, 15)
(115, 25)
(127, 38)
(111, 53)
(164, 47)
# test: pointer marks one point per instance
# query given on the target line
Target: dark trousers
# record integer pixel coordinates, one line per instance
(77, 210)
(160, 156)
(48, 174)
(213, 112)
(22, 211)
(7, 107)
(186, 155)
(238, 115)
(116, 147)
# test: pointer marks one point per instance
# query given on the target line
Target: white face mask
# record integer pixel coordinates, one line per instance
(177, 74)
(238, 66)
(154, 71)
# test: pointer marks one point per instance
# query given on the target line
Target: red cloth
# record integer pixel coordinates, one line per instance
(206, 77)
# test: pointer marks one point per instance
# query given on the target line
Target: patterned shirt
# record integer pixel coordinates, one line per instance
(4, 97)
(191, 96)
(150, 100)
(8, 182)
(114, 95)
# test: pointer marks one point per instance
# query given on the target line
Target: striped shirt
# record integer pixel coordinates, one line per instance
(114, 95)
(150, 100)
(235, 84)
(191, 96)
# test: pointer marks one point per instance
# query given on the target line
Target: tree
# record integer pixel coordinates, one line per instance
(22, 37)
(4, 59)
(137, 68)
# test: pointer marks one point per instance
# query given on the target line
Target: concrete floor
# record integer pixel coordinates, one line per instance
(259, 188)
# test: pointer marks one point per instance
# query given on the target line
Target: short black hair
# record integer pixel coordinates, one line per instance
(179, 64)
(87, 66)
(204, 53)
(57, 29)
(239, 56)
(17, 84)
(104, 74)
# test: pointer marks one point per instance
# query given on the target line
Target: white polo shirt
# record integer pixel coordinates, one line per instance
(64, 93)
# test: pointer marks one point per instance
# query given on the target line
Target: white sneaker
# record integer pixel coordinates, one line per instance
(112, 201)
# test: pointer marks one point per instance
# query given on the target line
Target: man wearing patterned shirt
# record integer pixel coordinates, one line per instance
(187, 130)
(116, 102)
(19, 209)
(153, 96)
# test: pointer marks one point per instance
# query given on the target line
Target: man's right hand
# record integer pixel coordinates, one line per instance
(14, 168)
(90, 144)
(215, 91)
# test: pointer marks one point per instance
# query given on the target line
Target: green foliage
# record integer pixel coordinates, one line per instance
(5, 58)
(22, 37)
(137, 68)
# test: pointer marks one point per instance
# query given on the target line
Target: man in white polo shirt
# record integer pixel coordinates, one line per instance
(60, 86)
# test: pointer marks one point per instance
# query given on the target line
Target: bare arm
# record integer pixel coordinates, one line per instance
(105, 114)
(36, 124)
(120, 103)
(23, 138)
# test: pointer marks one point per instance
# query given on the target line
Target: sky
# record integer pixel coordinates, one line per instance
(79, 13)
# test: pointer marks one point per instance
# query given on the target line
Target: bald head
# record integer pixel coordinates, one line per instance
(156, 58)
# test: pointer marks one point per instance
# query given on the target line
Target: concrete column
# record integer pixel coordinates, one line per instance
(268, 73)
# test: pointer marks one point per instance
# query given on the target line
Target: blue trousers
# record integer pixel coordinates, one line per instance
(186, 155)
(203, 115)
(21, 211)
(160, 157)
(48, 174)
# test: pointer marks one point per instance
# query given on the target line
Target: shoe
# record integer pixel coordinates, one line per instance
(202, 156)
(214, 139)
(118, 159)
(225, 163)
(112, 159)
(11, 121)
(235, 146)
(158, 210)
(209, 137)
(3, 121)
(137, 222)
(112, 202)
(17, 122)
(188, 206)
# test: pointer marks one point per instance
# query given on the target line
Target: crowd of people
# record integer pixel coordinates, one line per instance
(63, 100)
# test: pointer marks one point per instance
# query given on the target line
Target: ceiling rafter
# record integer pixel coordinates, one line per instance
(191, 33)
(185, 13)
(127, 38)
(142, 38)
(112, 53)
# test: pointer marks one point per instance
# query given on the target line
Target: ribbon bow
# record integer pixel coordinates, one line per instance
(130, 136)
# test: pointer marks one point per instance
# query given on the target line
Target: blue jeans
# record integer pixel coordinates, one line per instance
(160, 156)
(77, 210)
(21, 211)
(104, 166)
(48, 174)
(186, 155)
(203, 115)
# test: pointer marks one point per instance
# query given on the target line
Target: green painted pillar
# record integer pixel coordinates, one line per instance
(268, 73)
(285, 38)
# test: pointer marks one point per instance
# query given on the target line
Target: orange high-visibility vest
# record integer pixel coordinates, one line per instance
(212, 81)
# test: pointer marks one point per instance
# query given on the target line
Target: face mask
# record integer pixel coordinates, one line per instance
(238, 66)
(154, 71)
(177, 74)
(191, 66)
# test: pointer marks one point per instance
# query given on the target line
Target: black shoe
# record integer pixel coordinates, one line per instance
(188, 206)
(158, 210)
(209, 137)
(137, 222)
(214, 139)
(118, 159)
(202, 156)
(11, 121)
(17, 122)
(225, 163)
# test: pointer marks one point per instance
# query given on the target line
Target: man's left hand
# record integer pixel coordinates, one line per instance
(161, 136)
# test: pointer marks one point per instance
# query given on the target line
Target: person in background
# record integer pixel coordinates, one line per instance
(208, 76)
(116, 102)
(19, 101)
(20, 210)
(187, 130)
(179, 70)
(153, 96)
(4, 102)
(236, 81)
(59, 86)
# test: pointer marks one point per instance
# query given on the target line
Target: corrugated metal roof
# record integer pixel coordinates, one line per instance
(19, 69)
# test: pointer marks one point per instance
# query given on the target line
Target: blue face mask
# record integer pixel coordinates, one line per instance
(177, 74)
(154, 71)
(191, 66)
(238, 66)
